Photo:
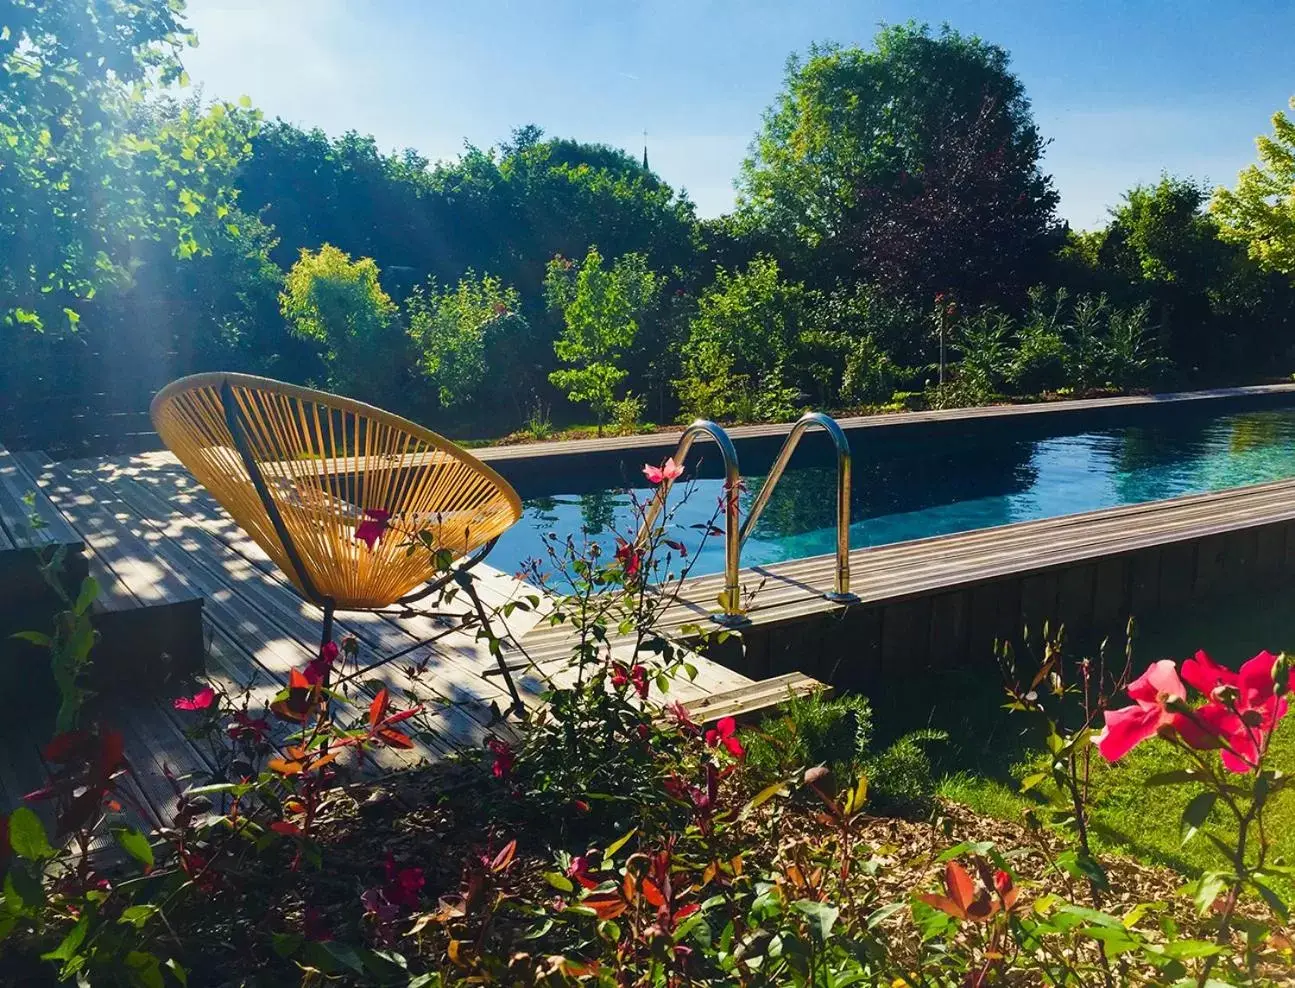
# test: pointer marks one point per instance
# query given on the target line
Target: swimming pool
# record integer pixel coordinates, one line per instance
(938, 487)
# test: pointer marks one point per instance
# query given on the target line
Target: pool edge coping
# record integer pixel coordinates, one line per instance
(545, 451)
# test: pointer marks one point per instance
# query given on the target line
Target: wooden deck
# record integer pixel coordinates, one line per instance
(161, 547)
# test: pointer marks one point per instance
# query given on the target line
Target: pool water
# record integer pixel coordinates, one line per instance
(939, 489)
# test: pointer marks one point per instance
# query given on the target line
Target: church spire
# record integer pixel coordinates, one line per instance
(645, 163)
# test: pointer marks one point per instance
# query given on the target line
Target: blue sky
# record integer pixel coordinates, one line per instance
(1125, 90)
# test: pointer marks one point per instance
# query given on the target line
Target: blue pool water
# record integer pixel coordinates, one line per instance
(941, 488)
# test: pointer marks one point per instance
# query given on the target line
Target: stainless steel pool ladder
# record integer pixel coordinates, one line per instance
(735, 535)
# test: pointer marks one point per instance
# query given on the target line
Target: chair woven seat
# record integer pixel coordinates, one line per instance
(302, 470)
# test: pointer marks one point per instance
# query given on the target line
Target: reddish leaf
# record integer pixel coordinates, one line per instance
(505, 856)
(652, 893)
(112, 749)
(686, 911)
(396, 718)
(394, 739)
(606, 905)
(318, 763)
(286, 828)
(378, 708)
(944, 904)
(66, 745)
(284, 767)
(958, 884)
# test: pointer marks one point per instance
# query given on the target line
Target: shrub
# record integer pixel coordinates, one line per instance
(743, 345)
(600, 310)
(900, 779)
(812, 730)
(626, 414)
(339, 304)
(470, 341)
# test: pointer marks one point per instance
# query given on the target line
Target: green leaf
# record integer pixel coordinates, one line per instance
(1275, 902)
(821, 917)
(71, 942)
(145, 969)
(286, 944)
(559, 881)
(762, 797)
(616, 845)
(135, 844)
(1185, 950)
(1195, 814)
(27, 835)
(1209, 888)
(22, 891)
(177, 971)
(137, 916)
(35, 637)
(89, 591)
(1032, 780)
(880, 916)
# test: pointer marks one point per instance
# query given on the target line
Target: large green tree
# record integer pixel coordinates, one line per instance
(83, 175)
(1217, 310)
(914, 165)
(1260, 212)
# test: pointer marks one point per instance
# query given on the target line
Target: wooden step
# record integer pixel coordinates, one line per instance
(748, 700)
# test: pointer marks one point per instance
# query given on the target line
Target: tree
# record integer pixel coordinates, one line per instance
(339, 304)
(920, 143)
(742, 345)
(470, 341)
(1260, 213)
(79, 181)
(599, 310)
(1217, 310)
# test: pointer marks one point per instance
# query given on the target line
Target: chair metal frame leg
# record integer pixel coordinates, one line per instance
(465, 581)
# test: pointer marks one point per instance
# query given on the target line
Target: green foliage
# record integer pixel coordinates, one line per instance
(1259, 213)
(600, 310)
(742, 345)
(466, 339)
(339, 304)
(835, 731)
(901, 779)
(895, 163)
(83, 175)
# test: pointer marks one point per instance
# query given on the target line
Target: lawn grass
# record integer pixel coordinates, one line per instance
(990, 749)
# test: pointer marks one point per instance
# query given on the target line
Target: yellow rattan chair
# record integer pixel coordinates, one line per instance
(334, 490)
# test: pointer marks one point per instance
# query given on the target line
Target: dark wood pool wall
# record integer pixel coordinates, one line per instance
(867, 645)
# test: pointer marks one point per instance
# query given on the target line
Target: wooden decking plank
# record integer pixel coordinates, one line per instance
(112, 532)
(754, 698)
(15, 513)
(875, 568)
(457, 661)
(267, 590)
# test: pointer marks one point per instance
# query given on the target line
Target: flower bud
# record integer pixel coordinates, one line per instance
(1282, 675)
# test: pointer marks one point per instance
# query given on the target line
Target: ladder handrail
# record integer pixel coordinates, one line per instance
(735, 534)
(843, 462)
(732, 486)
